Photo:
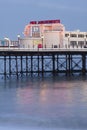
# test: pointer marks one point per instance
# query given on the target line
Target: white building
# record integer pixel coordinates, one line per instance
(75, 39)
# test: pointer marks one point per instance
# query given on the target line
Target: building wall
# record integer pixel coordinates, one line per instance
(52, 39)
(50, 33)
(29, 43)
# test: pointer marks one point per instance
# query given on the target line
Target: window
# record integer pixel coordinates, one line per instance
(73, 35)
(35, 31)
(66, 35)
(80, 35)
(73, 42)
(81, 43)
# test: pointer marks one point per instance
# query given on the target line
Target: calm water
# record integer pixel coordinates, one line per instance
(43, 104)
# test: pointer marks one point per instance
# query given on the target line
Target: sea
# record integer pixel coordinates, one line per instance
(44, 103)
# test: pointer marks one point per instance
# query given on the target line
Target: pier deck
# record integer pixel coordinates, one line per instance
(21, 51)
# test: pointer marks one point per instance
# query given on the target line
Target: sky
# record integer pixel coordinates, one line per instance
(15, 14)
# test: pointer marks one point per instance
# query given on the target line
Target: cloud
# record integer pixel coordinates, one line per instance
(51, 5)
(16, 1)
(62, 5)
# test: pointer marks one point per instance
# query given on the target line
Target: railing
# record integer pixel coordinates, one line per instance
(42, 49)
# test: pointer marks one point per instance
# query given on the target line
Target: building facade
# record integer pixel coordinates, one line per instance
(43, 34)
(75, 39)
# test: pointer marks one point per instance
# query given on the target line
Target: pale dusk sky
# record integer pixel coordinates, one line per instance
(15, 14)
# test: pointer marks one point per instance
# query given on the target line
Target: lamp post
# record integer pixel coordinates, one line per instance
(18, 37)
(18, 40)
(42, 37)
(68, 41)
(85, 41)
(8, 40)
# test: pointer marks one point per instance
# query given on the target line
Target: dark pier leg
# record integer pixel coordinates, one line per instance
(38, 66)
(31, 65)
(68, 64)
(57, 63)
(26, 65)
(5, 66)
(21, 71)
(16, 66)
(53, 60)
(10, 66)
(71, 70)
(83, 64)
(42, 65)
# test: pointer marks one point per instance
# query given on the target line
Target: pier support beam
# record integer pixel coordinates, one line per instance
(53, 60)
(31, 65)
(83, 64)
(16, 66)
(42, 63)
(26, 65)
(21, 69)
(5, 66)
(10, 66)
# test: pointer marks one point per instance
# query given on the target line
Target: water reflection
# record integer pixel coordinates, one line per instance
(56, 94)
(52, 103)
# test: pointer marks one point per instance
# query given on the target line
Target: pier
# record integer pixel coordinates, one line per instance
(46, 49)
(40, 62)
